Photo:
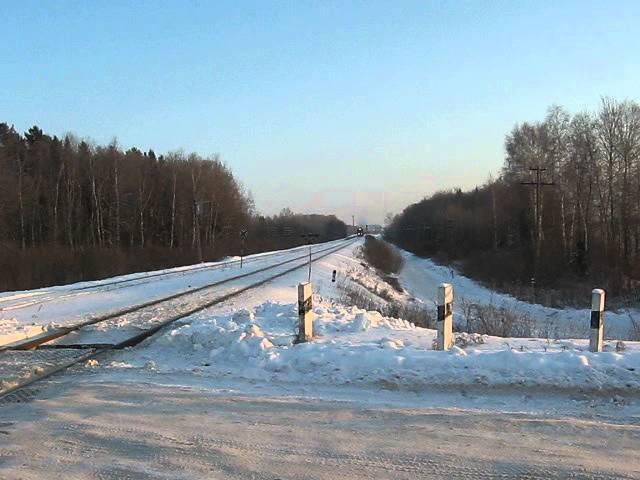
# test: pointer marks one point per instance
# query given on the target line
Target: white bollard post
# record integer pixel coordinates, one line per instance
(445, 316)
(305, 315)
(597, 320)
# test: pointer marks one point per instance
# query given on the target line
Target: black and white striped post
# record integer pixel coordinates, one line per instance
(597, 320)
(305, 315)
(445, 316)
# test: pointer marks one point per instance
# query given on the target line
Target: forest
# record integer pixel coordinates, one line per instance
(563, 216)
(71, 210)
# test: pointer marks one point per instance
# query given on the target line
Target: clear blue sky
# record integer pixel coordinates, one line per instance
(346, 107)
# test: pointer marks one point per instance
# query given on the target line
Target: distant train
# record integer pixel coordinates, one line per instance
(360, 232)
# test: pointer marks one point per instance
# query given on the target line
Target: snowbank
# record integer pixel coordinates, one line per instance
(353, 346)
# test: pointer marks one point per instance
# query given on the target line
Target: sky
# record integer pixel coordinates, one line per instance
(346, 107)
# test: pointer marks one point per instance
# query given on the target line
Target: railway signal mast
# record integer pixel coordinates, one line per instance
(244, 233)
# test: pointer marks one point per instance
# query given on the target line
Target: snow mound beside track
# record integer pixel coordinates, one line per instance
(354, 346)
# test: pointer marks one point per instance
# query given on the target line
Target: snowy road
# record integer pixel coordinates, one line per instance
(95, 430)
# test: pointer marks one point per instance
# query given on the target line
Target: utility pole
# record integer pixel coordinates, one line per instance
(196, 213)
(539, 183)
(309, 237)
(353, 220)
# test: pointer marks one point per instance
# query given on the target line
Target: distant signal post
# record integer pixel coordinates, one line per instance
(243, 237)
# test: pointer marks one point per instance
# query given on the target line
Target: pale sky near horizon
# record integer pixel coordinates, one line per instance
(329, 106)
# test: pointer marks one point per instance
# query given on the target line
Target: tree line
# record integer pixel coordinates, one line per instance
(71, 210)
(581, 223)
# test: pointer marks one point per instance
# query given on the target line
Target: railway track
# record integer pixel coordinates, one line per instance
(38, 299)
(26, 362)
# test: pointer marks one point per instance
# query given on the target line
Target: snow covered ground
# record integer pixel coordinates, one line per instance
(421, 277)
(26, 314)
(226, 393)
(105, 428)
(356, 347)
(252, 338)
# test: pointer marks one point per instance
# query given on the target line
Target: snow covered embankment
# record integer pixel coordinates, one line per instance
(421, 277)
(354, 346)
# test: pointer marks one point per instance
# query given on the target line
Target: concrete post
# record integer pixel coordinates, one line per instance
(597, 320)
(305, 315)
(445, 316)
